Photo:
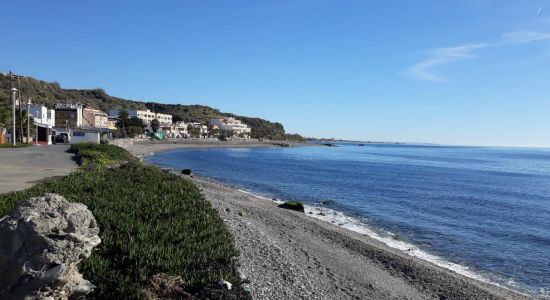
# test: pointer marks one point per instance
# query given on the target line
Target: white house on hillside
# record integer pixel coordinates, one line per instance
(231, 124)
(146, 115)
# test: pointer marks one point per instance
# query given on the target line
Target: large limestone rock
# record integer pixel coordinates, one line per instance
(41, 243)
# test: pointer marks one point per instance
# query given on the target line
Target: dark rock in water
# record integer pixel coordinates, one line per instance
(330, 145)
(186, 171)
(321, 214)
(42, 242)
(293, 205)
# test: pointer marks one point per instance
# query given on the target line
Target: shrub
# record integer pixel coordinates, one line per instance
(100, 154)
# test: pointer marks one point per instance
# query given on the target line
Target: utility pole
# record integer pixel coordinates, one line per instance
(20, 112)
(12, 95)
(28, 120)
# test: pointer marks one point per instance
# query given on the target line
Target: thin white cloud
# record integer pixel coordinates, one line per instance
(523, 37)
(439, 57)
(538, 11)
(425, 70)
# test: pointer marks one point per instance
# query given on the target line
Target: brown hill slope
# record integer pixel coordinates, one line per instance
(49, 93)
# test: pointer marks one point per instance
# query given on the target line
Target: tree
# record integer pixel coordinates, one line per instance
(226, 135)
(123, 118)
(129, 127)
(21, 124)
(193, 131)
(5, 113)
(213, 131)
(177, 118)
(135, 126)
(155, 125)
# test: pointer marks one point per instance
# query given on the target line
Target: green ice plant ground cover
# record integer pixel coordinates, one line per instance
(151, 222)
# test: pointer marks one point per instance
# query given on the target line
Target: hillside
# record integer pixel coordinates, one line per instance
(49, 93)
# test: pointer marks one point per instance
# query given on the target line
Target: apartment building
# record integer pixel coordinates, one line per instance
(231, 124)
(146, 115)
(92, 117)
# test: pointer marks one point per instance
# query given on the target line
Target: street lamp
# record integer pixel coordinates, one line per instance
(28, 120)
(13, 92)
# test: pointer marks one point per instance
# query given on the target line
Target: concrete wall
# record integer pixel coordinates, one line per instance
(85, 136)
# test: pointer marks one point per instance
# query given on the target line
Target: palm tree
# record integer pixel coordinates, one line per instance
(5, 113)
(21, 125)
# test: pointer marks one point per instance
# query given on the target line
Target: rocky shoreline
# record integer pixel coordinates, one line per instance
(288, 255)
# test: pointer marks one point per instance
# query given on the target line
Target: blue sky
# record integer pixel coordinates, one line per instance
(454, 72)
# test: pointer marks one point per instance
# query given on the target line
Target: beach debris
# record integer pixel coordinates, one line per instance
(293, 205)
(225, 284)
(43, 240)
(227, 209)
(186, 171)
(164, 286)
(241, 214)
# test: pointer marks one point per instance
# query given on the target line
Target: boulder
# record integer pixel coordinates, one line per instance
(186, 171)
(293, 205)
(41, 243)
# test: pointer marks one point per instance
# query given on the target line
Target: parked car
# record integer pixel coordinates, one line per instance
(61, 138)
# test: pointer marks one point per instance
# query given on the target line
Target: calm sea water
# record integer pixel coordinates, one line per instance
(486, 209)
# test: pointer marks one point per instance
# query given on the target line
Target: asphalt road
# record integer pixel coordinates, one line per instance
(23, 167)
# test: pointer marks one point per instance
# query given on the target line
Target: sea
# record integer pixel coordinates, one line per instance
(483, 212)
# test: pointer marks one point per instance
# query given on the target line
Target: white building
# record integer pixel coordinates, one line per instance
(146, 115)
(197, 130)
(44, 120)
(231, 124)
(83, 135)
(42, 115)
(180, 130)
